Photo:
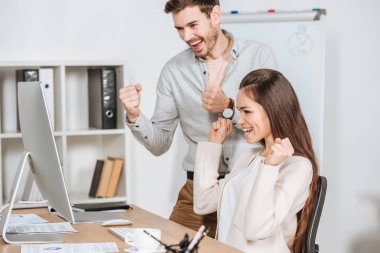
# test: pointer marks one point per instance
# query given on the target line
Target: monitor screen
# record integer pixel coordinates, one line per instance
(38, 139)
(42, 155)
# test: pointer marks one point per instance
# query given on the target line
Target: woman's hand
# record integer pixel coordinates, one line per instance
(280, 151)
(220, 130)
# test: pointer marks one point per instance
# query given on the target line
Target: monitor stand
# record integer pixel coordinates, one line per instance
(6, 212)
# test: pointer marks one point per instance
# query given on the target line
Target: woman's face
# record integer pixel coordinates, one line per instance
(253, 119)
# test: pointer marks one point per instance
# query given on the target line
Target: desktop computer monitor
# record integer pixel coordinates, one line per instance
(42, 155)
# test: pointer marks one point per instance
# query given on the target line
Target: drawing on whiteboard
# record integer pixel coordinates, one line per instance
(300, 43)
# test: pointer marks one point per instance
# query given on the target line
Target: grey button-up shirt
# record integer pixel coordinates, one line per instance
(179, 91)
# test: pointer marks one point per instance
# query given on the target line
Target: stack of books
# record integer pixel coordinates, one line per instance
(106, 177)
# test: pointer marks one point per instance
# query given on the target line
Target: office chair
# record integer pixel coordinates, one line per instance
(311, 246)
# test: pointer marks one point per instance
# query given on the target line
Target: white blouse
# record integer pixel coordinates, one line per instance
(230, 194)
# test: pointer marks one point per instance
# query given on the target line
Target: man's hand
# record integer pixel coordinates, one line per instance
(220, 130)
(130, 97)
(213, 99)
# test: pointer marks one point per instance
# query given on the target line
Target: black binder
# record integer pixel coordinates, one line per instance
(27, 75)
(102, 97)
(96, 178)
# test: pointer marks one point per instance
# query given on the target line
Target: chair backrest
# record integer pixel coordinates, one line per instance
(311, 246)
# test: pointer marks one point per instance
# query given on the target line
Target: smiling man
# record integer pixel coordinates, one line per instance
(195, 88)
(201, 32)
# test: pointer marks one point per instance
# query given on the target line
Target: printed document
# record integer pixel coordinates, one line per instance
(59, 227)
(70, 248)
(25, 219)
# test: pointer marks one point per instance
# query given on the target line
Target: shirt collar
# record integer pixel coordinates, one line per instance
(234, 49)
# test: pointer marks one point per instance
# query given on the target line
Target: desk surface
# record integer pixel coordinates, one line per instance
(172, 232)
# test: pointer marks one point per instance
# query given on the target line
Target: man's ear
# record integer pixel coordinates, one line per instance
(216, 15)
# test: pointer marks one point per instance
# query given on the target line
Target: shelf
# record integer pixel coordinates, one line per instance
(95, 132)
(18, 135)
(78, 145)
(10, 136)
(28, 64)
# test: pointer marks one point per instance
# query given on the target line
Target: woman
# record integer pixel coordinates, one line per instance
(264, 204)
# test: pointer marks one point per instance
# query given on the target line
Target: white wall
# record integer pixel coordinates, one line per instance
(141, 35)
(152, 40)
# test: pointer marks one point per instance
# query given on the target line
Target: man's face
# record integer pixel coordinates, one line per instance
(197, 30)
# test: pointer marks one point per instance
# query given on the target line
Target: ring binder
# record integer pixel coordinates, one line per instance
(102, 97)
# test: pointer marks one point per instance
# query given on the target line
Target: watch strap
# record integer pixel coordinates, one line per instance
(231, 104)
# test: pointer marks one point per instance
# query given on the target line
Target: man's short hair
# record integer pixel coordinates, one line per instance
(205, 6)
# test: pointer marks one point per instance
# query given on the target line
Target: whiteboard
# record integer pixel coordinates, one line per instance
(299, 47)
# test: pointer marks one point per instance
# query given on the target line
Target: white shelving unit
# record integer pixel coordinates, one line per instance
(79, 146)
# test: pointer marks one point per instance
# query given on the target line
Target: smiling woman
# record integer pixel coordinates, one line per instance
(253, 119)
(264, 204)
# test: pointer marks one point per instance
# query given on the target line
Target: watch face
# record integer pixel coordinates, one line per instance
(228, 113)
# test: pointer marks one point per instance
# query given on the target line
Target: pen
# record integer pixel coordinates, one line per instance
(203, 235)
(196, 238)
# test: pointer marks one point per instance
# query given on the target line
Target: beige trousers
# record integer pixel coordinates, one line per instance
(183, 212)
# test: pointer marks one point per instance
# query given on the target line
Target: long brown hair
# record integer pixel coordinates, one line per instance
(275, 94)
(175, 6)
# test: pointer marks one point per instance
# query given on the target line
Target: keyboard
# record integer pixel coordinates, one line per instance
(121, 232)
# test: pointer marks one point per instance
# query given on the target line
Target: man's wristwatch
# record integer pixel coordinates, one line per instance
(229, 111)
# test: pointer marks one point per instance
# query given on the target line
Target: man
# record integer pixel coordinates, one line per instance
(195, 88)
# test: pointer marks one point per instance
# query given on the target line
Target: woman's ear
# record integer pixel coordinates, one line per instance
(216, 15)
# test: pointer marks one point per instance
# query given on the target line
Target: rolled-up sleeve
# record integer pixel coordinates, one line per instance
(156, 134)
